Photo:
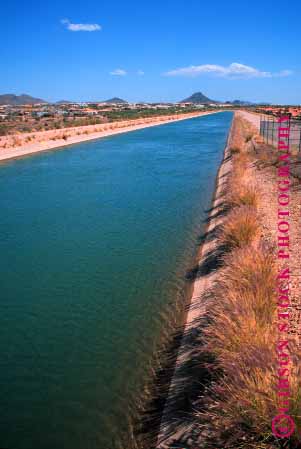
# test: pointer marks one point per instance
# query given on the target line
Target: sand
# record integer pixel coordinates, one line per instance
(12, 147)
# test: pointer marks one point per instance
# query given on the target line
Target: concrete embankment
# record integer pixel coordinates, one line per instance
(12, 147)
(177, 423)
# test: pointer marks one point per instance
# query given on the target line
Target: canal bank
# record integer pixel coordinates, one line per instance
(222, 393)
(21, 145)
(177, 422)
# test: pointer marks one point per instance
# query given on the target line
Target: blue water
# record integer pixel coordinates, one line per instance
(95, 240)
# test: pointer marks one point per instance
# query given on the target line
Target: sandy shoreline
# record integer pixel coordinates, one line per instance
(56, 139)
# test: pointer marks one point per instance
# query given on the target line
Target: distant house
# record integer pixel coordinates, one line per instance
(88, 111)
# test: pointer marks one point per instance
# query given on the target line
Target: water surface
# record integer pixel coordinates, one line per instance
(95, 240)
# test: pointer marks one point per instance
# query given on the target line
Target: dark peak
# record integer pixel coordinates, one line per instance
(116, 100)
(198, 98)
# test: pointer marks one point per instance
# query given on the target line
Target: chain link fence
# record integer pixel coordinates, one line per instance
(269, 131)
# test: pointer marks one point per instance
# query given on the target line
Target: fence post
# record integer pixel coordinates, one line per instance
(289, 136)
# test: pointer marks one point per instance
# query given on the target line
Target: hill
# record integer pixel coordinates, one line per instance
(64, 102)
(18, 100)
(115, 100)
(241, 103)
(198, 98)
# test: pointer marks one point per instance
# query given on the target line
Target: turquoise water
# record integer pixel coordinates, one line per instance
(95, 240)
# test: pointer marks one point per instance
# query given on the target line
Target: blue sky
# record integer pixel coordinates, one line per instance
(151, 51)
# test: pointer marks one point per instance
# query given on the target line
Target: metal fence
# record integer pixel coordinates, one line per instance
(269, 131)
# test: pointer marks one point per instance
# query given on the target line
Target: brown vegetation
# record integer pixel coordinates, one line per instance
(237, 408)
(23, 139)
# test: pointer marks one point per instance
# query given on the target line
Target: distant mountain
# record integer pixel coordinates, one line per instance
(64, 102)
(115, 100)
(18, 100)
(198, 98)
(241, 103)
(245, 103)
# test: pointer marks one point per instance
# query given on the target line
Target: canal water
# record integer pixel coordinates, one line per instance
(95, 241)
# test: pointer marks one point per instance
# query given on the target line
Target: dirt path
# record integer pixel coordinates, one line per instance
(254, 119)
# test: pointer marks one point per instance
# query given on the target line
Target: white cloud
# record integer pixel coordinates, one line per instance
(234, 70)
(118, 72)
(81, 26)
(140, 73)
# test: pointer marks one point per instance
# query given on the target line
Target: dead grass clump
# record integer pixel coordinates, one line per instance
(249, 267)
(17, 141)
(235, 150)
(240, 228)
(244, 195)
(244, 305)
(240, 163)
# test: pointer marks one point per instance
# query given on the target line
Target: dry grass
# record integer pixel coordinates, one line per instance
(235, 150)
(17, 141)
(241, 337)
(237, 408)
(242, 191)
(244, 300)
(240, 228)
(244, 195)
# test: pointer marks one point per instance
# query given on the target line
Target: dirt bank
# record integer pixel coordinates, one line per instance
(28, 143)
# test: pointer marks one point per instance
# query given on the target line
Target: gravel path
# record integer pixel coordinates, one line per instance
(265, 177)
(254, 119)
